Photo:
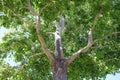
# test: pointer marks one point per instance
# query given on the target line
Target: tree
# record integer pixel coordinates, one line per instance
(32, 24)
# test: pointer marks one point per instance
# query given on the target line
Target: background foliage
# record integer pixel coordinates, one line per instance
(22, 42)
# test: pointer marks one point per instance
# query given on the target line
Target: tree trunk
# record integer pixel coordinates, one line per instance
(59, 69)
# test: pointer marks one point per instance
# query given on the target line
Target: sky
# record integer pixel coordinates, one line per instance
(12, 63)
(2, 32)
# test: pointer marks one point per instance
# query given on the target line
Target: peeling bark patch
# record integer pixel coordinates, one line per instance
(58, 46)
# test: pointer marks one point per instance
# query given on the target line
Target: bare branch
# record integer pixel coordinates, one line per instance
(106, 36)
(96, 18)
(90, 41)
(17, 15)
(41, 40)
(86, 48)
(31, 9)
(58, 45)
(100, 47)
(90, 38)
(44, 7)
(104, 46)
(48, 54)
(89, 45)
(36, 55)
(62, 22)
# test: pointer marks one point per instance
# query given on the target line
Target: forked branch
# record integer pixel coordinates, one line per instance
(90, 40)
(37, 27)
(86, 48)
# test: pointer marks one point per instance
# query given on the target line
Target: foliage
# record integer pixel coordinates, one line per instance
(22, 42)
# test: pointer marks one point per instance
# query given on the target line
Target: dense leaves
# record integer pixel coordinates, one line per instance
(22, 42)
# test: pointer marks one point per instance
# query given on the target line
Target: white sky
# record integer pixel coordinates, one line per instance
(12, 63)
(9, 59)
(2, 32)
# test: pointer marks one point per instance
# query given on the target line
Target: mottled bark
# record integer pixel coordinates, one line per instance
(58, 46)
(59, 69)
(59, 66)
(40, 38)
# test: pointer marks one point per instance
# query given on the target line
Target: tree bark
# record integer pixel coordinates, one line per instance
(59, 69)
(58, 43)
(40, 38)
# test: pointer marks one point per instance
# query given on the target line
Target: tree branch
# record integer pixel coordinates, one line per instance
(89, 45)
(31, 9)
(36, 55)
(90, 41)
(16, 15)
(58, 45)
(106, 36)
(41, 40)
(86, 48)
(44, 7)
(96, 18)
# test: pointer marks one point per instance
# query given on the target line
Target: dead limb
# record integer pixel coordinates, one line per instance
(58, 45)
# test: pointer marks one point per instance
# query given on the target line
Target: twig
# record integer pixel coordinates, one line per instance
(44, 8)
(12, 12)
(106, 36)
(16, 15)
(96, 18)
(36, 55)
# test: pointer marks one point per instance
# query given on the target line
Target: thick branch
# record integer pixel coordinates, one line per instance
(90, 41)
(60, 26)
(89, 45)
(86, 48)
(58, 45)
(41, 40)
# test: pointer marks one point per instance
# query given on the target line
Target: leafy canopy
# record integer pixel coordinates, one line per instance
(23, 44)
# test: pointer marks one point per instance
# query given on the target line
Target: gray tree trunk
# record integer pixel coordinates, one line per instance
(59, 69)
